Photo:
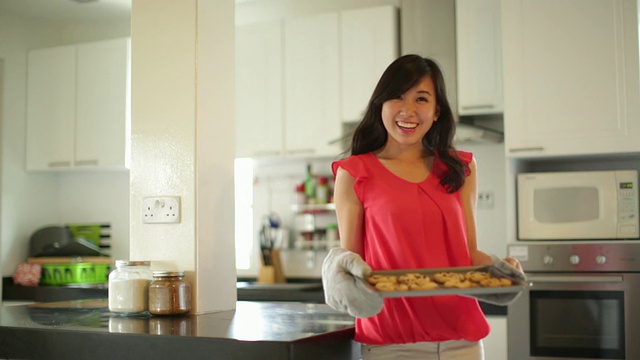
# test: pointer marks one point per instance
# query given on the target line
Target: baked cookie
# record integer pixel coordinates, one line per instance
(491, 282)
(423, 285)
(456, 283)
(385, 286)
(410, 278)
(378, 278)
(477, 276)
(443, 277)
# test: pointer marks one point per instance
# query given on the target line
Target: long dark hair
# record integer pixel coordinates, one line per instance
(401, 75)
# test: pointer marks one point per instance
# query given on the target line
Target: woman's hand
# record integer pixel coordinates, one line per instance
(513, 262)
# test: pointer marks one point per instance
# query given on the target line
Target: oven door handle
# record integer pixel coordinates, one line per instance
(575, 279)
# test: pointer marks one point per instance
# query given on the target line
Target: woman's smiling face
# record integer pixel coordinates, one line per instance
(409, 117)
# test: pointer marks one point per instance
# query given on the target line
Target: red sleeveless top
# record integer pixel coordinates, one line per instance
(410, 226)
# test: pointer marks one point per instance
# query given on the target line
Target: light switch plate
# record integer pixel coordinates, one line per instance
(161, 210)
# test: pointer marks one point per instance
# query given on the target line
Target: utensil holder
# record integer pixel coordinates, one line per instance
(271, 274)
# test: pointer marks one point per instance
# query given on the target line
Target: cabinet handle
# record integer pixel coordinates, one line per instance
(59, 164)
(86, 162)
(532, 148)
(301, 151)
(478, 107)
(266, 153)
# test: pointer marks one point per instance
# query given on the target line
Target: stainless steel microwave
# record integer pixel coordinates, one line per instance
(578, 205)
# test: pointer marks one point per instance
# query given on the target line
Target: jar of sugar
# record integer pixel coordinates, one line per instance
(129, 287)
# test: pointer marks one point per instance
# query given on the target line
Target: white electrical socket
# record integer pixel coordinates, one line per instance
(161, 210)
(485, 200)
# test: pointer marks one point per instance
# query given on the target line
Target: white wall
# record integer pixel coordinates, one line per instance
(490, 222)
(31, 200)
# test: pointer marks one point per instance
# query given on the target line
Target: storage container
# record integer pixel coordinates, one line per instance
(169, 293)
(129, 287)
(77, 273)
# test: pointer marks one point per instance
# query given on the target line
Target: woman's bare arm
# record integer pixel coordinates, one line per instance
(349, 212)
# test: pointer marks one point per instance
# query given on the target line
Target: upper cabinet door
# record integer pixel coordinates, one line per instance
(369, 43)
(103, 107)
(479, 56)
(571, 83)
(51, 99)
(312, 106)
(78, 106)
(259, 92)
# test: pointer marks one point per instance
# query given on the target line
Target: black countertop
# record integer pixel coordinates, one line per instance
(85, 329)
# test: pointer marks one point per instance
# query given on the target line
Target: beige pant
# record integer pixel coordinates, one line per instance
(446, 350)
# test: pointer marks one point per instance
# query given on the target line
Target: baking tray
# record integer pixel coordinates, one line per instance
(517, 286)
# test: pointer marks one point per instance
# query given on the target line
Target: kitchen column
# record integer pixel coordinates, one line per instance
(183, 141)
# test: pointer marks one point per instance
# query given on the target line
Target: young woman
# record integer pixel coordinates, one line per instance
(406, 199)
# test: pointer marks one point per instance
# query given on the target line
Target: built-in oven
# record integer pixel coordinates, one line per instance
(582, 302)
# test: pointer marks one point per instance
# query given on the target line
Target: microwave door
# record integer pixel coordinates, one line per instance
(556, 207)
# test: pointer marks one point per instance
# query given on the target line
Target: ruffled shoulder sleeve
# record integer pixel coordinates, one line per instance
(356, 166)
(439, 168)
(466, 158)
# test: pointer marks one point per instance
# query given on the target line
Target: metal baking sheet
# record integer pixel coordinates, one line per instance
(517, 286)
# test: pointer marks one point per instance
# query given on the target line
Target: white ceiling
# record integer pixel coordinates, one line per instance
(68, 10)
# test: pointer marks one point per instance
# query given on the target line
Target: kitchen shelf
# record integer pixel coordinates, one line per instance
(314, 208)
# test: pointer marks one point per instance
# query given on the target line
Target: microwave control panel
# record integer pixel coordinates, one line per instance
(627, 204)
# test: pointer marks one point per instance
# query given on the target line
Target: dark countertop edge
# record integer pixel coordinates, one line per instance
(28, 344)
(59, 342)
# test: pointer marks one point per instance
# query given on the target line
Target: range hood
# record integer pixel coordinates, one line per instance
(467, 133)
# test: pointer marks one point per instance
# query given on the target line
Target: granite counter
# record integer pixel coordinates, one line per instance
(85, 329)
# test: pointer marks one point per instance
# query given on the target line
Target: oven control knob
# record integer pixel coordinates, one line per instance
(574, 259)
(601, 259)
(547, 260)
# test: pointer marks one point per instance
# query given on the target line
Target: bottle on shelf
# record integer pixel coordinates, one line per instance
(310, 186)
(301, 197)
(332, 236)
(322, 190)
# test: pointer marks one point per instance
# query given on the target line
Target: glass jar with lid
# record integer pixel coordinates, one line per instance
(129, 287)
(169, 293)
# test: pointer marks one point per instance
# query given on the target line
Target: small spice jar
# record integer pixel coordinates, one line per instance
(169, 294)
(129, 287)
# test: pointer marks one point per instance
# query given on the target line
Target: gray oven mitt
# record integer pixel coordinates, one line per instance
(345, 290)
(504, 269)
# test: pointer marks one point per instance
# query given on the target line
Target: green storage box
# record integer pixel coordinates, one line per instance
(78, 273)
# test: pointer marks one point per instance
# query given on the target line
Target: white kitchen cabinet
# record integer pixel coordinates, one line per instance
(369, 43)
(78, 106)
(479, 57)
(259, 90)
(51, 99)
(312, 83)
(298, 79)
(103, 104)
(571, 82)
(495, 344)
